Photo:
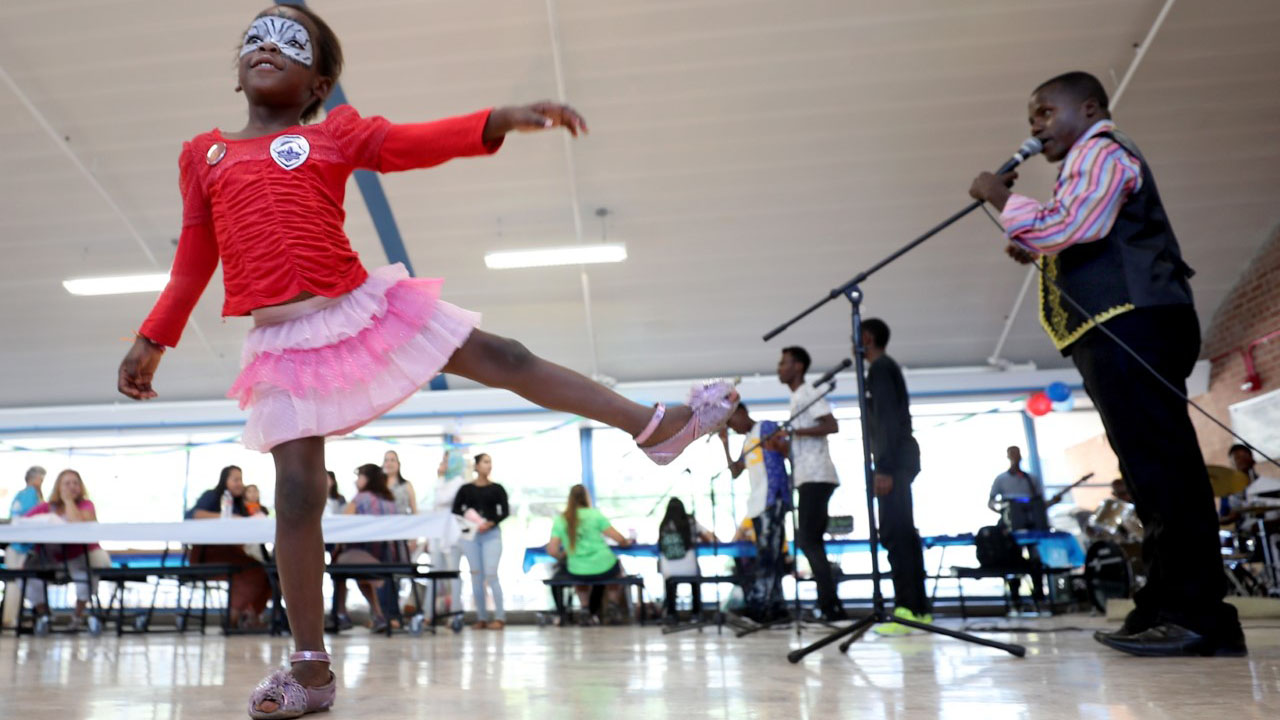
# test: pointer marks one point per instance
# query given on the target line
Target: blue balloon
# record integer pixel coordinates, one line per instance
(1058, 391)
(1065, 405)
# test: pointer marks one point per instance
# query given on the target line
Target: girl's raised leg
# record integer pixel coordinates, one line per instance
(504, 363)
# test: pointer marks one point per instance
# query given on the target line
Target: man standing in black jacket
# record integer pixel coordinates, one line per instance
(897, 462)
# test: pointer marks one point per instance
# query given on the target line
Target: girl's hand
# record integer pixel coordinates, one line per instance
(530, 118)
(137, 369)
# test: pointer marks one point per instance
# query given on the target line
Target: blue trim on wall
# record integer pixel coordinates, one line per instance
(588, 464)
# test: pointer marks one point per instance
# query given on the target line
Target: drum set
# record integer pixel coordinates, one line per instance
(1250, 550)
(1113, 566)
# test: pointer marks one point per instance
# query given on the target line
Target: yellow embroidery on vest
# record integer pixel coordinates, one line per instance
(1054, 317)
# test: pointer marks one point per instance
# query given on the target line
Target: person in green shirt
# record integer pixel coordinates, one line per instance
(577, 539)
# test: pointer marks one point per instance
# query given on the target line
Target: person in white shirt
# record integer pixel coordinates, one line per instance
(813, 472)
(445, 552)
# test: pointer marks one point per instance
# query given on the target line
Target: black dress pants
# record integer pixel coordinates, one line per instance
(902, 542)
(812, 522)
(1151, 433)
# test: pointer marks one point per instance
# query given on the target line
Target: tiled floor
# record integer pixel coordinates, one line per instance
(633, 672)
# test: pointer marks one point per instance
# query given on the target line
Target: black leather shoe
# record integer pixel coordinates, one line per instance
(1134, 623)
(1169, 640)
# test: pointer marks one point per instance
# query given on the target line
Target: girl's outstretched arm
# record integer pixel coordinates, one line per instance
(531, 118)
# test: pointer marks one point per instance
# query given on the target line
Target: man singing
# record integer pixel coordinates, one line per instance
(1107, 243)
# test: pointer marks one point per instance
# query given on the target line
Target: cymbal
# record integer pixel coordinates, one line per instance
(1226, 481)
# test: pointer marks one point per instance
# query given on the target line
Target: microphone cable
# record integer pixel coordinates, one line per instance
(1103, 327)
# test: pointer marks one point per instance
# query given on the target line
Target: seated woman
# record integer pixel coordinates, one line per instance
(335, 502)
(677, 556)
(373, 497)
(250, 589)
(577, 536)
(70, 502)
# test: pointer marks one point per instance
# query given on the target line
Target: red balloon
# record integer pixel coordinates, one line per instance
(1039, 404)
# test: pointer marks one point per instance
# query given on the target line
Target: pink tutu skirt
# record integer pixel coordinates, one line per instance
(326, 366)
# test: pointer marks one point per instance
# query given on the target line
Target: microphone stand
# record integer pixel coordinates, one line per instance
(851, 291)
(861, 277)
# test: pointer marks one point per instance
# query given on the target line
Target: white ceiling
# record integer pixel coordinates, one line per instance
(753, 154)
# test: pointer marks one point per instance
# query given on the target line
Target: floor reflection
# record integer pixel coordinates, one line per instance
(620, 673)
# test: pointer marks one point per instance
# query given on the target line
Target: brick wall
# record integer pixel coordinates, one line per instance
(1250, 310)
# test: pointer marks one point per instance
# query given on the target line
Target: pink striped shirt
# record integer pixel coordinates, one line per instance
(1096, 177)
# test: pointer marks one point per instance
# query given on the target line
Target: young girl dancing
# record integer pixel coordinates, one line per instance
(334, 346)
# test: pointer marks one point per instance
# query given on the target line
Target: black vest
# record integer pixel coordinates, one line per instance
(1138, 264)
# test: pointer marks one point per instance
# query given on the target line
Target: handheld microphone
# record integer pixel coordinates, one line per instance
(1030, 146)
(832, 372)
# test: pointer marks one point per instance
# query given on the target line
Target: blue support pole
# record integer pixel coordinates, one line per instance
(588, 467)
(1033, 448)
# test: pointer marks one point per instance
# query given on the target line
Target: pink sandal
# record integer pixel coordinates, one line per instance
(292, 699)
(712, 402)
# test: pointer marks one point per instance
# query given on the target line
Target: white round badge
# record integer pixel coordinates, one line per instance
(290, 151)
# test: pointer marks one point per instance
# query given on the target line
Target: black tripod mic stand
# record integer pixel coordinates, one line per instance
(853, 293)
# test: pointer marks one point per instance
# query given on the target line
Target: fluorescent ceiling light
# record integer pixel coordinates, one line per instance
(545, 257)
(118, 285)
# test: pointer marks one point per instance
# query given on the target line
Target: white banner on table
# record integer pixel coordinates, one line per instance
(235, 531)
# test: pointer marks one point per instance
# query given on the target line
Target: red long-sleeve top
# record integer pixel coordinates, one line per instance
(279, 232)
